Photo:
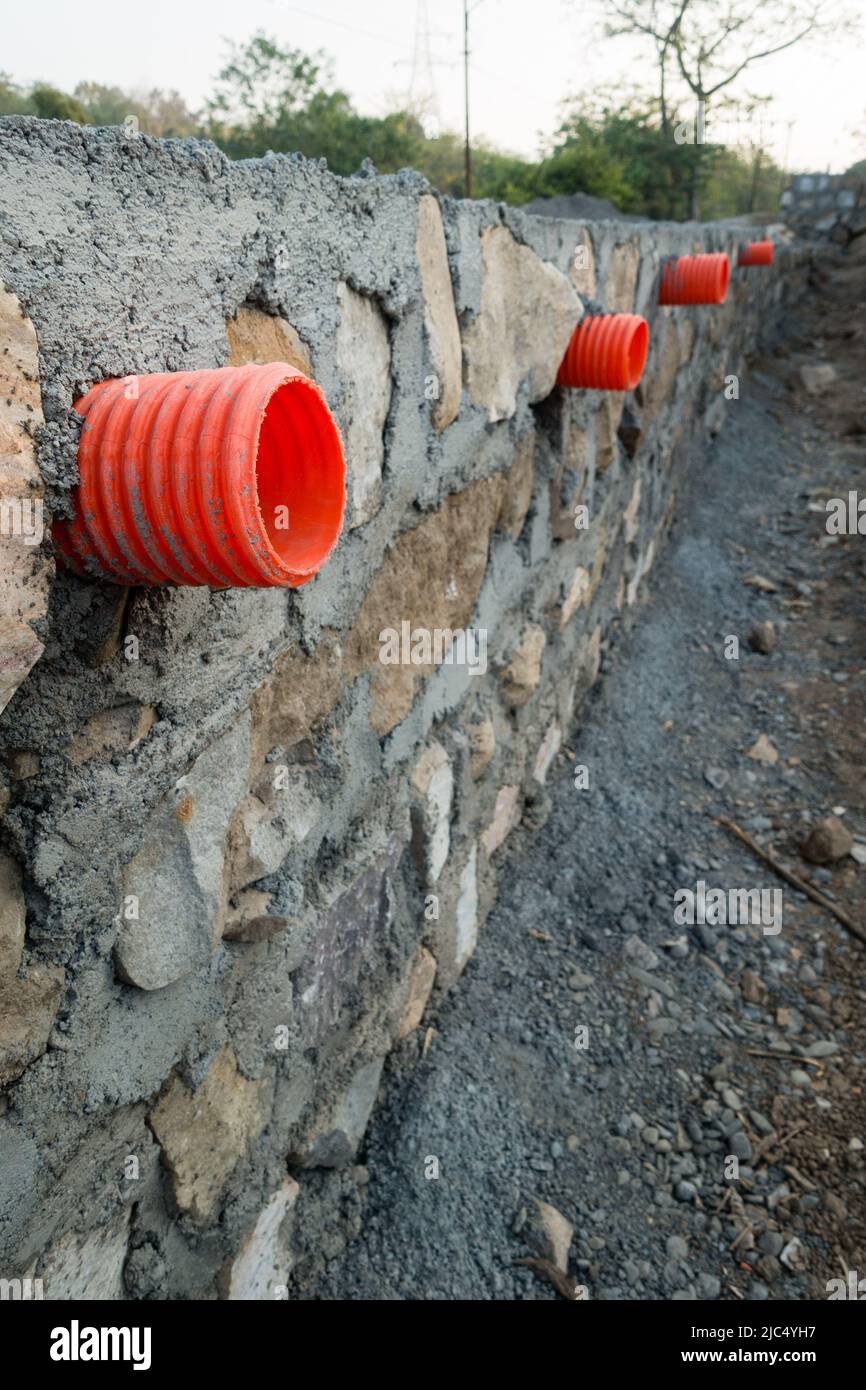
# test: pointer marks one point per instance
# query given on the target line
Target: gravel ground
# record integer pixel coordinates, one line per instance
(706, 1043)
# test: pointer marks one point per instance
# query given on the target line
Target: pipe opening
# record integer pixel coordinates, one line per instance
(637, 351)
(299, 477)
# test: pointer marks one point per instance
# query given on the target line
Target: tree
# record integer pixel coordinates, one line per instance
(14, 101)
(712, 43)
(53, 105)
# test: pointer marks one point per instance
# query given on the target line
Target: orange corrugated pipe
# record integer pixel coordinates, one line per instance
(232, 477)
(695, 279)
(756, 253)
(607, 352)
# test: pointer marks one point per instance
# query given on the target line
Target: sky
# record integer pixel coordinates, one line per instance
(526, 58)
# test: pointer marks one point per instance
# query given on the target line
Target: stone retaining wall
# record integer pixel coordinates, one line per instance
(241, 852)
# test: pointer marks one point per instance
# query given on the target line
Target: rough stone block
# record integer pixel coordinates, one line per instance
(422, 973)
(25, 569)
(482, 737)
(28, 1008)
(433, 786)
(204, 1133)
(506, 814)
(262, 1264)
(440, 317)
(547, 751)
(254, 336)
(336, 1139)
(467, 911)
(346, 937)
(579, 591)
(88, 1266)
(12, 917)
(528, 311)
(116, 730)
(177, 880)
(523, 673)
(430, 578)
(364, 364)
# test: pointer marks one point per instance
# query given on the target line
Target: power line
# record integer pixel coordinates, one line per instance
(352, 28)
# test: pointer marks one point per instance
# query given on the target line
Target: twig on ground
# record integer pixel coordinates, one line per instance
(789, 877)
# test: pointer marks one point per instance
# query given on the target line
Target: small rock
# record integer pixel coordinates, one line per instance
(771, 1243)
(677, 1248)
(763, 750)
(716, 776)
(816, 377)
(793, 1256)
(762, 638)
(548, 1231)
(822, 1048)
(827, 841)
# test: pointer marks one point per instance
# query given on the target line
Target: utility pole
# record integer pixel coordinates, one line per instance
(467, 148)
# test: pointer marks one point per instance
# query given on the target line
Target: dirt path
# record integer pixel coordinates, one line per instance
(704, 1042)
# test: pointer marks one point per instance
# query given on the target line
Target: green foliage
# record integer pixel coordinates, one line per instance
(52, 105)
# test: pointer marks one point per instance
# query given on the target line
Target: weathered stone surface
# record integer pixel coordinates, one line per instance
(430, 578)
(112, 731)
(88, 1266)
(12, 918)
(335, 1141)
(27, 1011)
(296, 698)
(817, 377)
(622, 278)
(630, 515)
(204, 1133)
(607, 422)
(433, 786)
(600, 557)
(582, 269)
(246, 907)
(518, 488)
(547, 751)
(254, 336)
(422, 973)
(482, 736)
(579, 591)
(179, 875)
(25, 570)
(523, 673)
(467, 910)
(548, 1232)
(262, 1264)
(665, 360)
(364, 364)
(528, 311)
(270, 823)
(505, 816)
(346, 937)
(828, 840)
(440, 317)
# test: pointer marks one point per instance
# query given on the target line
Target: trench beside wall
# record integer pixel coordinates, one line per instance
(241, 853)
